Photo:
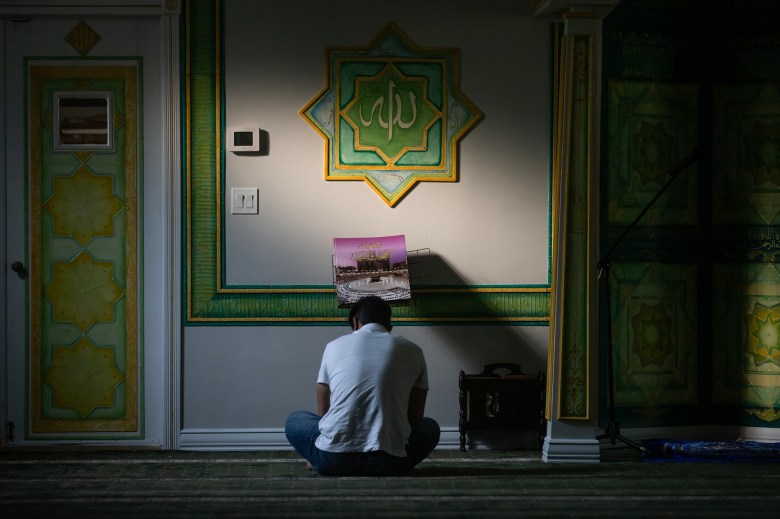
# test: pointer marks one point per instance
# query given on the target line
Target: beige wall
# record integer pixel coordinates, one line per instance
(491, 227)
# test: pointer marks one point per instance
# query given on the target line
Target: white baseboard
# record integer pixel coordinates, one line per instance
(759, 434)
(571, 450)
(233, 440)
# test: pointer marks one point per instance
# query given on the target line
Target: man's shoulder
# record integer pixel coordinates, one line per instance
(343, 339)
(407, 343)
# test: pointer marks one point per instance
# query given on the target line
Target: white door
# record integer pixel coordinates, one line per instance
(88, 245)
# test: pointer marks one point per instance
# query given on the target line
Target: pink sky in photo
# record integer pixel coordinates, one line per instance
(345, 247)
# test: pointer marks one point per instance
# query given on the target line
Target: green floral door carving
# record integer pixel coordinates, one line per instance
(84, 352)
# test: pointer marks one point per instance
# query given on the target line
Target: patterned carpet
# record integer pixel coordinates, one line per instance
(451, 484)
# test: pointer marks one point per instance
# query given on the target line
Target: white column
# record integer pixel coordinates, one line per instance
(171, 205)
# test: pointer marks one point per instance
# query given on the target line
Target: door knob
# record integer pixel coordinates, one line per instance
(18, 267)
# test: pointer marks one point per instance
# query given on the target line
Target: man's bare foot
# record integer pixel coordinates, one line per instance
(309, 466)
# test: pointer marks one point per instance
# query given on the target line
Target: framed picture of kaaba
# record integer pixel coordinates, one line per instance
(374, 266)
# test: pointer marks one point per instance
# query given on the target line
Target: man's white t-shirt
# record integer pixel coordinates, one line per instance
(370, 373)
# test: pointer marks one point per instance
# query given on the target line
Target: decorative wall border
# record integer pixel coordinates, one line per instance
(573, 186)
(206, 297)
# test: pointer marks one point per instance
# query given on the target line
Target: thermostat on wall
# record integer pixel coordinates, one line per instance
(243, 139)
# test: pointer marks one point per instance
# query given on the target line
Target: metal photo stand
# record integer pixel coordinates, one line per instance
(612, 429)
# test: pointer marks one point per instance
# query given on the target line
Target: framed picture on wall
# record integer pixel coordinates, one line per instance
(374, 266)
(83, 120)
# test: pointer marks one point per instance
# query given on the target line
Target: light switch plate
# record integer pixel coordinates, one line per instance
(244, 200)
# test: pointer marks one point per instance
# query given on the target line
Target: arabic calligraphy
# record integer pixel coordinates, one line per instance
(394, 100)
(390, 114)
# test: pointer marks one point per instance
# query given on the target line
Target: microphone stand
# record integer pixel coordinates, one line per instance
(612, 429)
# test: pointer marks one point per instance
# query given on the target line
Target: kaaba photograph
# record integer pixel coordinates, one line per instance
(371, 266)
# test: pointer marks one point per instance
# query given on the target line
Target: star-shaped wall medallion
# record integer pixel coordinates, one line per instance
(392, 115)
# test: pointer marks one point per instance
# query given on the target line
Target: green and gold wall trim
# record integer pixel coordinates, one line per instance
(207, 297)
(573, 113)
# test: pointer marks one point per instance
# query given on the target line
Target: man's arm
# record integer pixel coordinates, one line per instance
(417, 405)
(323, 399)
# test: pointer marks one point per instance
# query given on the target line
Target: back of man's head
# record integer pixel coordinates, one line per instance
(373, 309)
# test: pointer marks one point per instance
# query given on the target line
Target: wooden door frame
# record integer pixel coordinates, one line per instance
(168, 14)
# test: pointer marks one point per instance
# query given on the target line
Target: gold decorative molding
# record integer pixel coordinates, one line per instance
(82, 38)
(571, 332)
(171, 6)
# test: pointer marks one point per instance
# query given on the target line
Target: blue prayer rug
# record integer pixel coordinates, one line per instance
(659, 449)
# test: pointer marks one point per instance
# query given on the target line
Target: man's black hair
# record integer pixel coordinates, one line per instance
(372, 309)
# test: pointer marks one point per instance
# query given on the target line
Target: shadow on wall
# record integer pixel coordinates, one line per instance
(470, 347)
(476, 344)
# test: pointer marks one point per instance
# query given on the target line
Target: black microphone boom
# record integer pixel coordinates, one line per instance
(673, 174)
(612, 429)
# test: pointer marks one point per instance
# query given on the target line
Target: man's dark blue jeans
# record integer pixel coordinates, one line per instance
(302, 429)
